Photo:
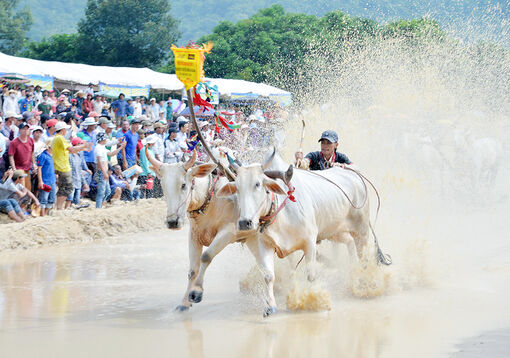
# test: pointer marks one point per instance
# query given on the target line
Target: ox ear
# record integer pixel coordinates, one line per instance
(227, 190)
(273, 186)
(202, 170)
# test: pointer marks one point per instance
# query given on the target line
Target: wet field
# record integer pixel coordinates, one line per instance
(116, 297)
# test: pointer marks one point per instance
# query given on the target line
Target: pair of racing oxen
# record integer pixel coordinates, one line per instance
(270, 207)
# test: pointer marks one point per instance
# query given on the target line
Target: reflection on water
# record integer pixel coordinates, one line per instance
(116, 298)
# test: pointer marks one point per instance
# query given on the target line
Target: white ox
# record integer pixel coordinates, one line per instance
(187, 191)
(321, 211)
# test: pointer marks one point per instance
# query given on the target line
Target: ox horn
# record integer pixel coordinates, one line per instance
(285, 176)
(232, 162)
(192, 161)
(155, 163)
(267, 163)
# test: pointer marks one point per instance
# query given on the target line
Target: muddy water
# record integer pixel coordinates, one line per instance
(116, 298)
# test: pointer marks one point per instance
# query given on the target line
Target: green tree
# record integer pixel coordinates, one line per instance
(127, 32)
(56, 48)
(13, 26)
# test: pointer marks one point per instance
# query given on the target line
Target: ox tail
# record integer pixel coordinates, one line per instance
(381, 257)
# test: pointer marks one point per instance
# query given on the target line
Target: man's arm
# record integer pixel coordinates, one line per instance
(78, 148)
(39, 177)
(301, 161)
(11, 162)
(32, 196)
(34, 162)
(116, 151)
(124, 160)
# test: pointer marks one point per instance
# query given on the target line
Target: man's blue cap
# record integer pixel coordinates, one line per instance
(329, 135)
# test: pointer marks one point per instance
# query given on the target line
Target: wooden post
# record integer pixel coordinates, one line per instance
(230, 176)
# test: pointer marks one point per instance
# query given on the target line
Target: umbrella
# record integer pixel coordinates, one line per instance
(14, 78)
(198, 112)
(110, 93)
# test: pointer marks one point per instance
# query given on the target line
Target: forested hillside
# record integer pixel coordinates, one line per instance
(198, 18)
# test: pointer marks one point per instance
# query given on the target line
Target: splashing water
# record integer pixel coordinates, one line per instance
(313, 298)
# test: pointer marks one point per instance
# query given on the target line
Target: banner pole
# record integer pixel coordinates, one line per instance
(226, 171)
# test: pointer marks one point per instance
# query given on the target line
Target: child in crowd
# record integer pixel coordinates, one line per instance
(47, 180)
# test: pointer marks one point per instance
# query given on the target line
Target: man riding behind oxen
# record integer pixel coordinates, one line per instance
(327, 157)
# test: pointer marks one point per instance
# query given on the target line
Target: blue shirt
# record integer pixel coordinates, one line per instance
(121, 107)
(119, 135)
(25, 105)
(45, 161)
(130, 110)
(131, 142)
(91, 138)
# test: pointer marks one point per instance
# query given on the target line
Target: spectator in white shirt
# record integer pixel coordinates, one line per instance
(173, 152)
(137, 108)
(159, 146)
(90, 90)
(10, 103)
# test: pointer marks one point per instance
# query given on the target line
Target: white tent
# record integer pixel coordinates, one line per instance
(125, 76)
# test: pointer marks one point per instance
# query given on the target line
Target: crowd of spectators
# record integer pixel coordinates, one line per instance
(56, 150)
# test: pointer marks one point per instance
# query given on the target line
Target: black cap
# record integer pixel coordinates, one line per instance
(23, 125)
(329, 135)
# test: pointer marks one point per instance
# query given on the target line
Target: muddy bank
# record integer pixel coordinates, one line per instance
(84, 225)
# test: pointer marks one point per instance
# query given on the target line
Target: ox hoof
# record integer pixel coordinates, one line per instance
(195, 296)
(268, 311)
(182, 308)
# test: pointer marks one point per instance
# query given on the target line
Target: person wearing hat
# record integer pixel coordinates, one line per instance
(37, 95)
(21, 153)
(9, 129)
(173, 151)
(88, 134)
(10, 103)
(131, 139)
(90, 89)
(101, 176)
(50, 129)
(61, 105)
(137, 107)
(327, 157)
(154, 108)
(103, 124)
(207, 131)
(46, 179)
(24, 196)
(9, 205)
(159, 146)
(61, 149)
(36, 132)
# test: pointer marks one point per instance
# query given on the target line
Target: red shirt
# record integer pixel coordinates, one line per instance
(22, 153)
(139, 147)
(87, 106)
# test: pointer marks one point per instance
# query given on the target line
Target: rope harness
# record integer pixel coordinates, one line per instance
(269, 218)
(210, 192)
